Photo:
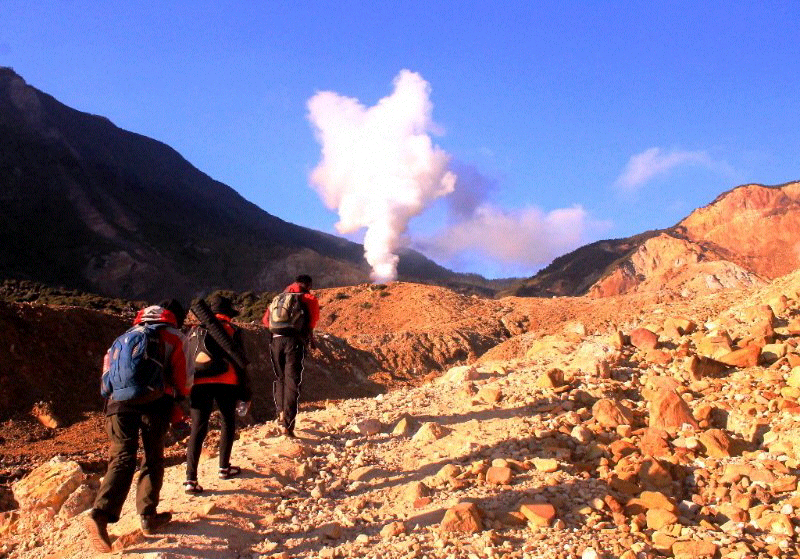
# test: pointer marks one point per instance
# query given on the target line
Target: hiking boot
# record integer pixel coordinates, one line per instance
(96, 527)
(152, 522)
(287, 432)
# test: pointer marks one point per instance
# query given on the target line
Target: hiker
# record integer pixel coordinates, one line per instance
(291, 333)
(226, 385)
(137, 407)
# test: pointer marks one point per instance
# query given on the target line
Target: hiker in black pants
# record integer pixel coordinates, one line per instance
(226, 385)
(149, 416)
(290, 337)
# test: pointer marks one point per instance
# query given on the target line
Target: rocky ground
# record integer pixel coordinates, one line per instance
(627, 427)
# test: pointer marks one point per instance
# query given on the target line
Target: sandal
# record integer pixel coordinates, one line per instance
(229, 472)
(191, 487)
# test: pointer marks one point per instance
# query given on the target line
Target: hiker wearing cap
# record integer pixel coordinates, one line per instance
(144, 373)
(291, 317)
(225, 385)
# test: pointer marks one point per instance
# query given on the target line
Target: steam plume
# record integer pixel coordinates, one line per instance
(379, 167)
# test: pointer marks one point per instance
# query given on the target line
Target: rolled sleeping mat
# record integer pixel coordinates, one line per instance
(206, 316)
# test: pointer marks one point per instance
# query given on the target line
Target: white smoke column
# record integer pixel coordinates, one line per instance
(379, 167)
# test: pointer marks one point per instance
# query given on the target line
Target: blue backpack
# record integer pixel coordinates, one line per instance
(135, 365)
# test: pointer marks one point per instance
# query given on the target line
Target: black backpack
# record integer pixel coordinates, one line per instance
(205, 353)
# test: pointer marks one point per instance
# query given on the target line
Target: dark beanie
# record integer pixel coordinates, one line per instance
(174, 306)
(220, 304)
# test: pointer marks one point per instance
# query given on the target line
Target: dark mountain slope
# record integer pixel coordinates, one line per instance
(88, 205)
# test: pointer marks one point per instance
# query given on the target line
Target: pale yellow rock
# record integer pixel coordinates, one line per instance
(49, 485)
(546, 465)
(404, 427)
(794, 378)
(429, 432)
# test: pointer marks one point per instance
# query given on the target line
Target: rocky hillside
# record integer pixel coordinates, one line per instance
(630, 427)
(89, 206)
(745, 236)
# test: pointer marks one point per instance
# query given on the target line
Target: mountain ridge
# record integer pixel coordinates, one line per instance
(91, 206)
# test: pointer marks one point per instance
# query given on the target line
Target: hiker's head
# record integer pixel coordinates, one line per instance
(174, 306)
(304, 281)
(220, 304)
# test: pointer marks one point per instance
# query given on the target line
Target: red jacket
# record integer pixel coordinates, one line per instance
(229, 376)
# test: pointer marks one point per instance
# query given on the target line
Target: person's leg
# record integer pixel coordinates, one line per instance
(278, 363)
(200, 402)
(123, 432)
(226, 402)
(151, 475)
(293, 378)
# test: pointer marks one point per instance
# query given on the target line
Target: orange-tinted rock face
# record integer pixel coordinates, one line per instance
(747, 235)
(758, 227)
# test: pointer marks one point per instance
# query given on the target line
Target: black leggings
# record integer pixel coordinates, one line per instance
(201, 401)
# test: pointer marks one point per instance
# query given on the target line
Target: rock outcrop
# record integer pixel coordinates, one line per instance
(744, 238)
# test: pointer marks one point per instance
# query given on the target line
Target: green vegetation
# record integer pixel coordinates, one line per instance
(251, 306)
(23, 291)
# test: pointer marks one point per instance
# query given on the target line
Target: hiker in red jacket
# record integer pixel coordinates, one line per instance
(225, 388)
(148, 415)
(287, 352)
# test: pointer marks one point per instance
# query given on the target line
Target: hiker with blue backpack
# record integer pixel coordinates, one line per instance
(291, 318)
(144, 373)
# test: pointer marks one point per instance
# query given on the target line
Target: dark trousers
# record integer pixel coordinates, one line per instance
(287, 354)
(202, 401)
(123, 429)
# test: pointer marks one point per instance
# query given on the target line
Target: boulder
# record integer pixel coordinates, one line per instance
(368, 427)
(429, 432)
(393, 529)
(675, 327)
(79, 500)
(404, 427)
(655, 443)
(772, 352)
(659, 518)
(490, 395)
(694, 549)
(463, 517)
(460, 374)
(745, 357)
(700, 367)
(49, 485)
(554, 378)
(538, 514)
(43, 412)
(668, 411)
(718, 443)
(794, 378)
(499, 475)
(416, 490)
(611, 413)
(642, 338)
(714, 346)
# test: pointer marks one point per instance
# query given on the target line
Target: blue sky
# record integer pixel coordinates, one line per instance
(563, 122)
